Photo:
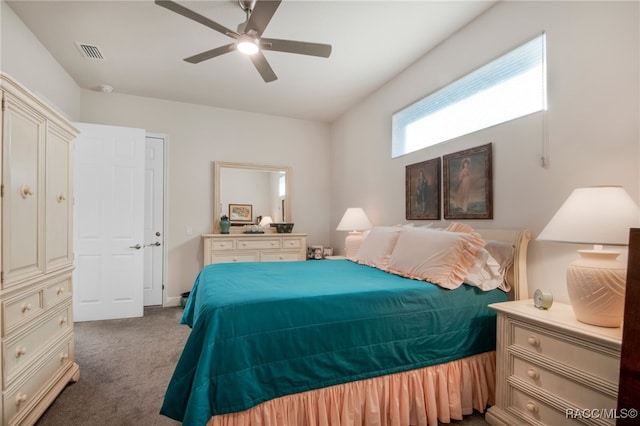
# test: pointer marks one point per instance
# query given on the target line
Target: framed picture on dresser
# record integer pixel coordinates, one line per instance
(241, 213)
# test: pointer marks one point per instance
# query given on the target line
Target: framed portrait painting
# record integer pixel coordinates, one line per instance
(422, 190)
(468, 184)
(241, 213)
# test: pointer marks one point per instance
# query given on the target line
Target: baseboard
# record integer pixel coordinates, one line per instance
(172, 301)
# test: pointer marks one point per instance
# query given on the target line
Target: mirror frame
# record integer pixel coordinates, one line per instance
(219, 165)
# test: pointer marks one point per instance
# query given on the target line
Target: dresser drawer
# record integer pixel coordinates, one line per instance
(222, 245)
(20, 397)
(20, 350)
(20, 309)
(235, 257)
(293, 243)
(534, 411)
(261, 244)
(58, 292)
(573, 352)
(579, 394)
(280, 256)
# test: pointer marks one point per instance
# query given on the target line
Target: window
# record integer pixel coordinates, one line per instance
(509, 87)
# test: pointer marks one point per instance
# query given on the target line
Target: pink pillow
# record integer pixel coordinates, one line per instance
(376, 248)
(439, 257)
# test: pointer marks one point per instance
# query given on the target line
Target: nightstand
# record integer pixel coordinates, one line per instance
(550, 367)
(335, 257)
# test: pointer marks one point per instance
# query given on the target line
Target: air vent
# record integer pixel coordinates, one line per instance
(90, 51)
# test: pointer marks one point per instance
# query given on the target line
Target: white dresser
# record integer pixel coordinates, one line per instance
(37, 255)
(553, 369)
(268, 247)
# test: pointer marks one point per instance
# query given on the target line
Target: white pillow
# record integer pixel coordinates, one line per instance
(485, 273)
(376, 248)
(439, 257)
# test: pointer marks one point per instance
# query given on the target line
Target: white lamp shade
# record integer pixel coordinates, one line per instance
(594, 215)
(266, 220)
(354, 219)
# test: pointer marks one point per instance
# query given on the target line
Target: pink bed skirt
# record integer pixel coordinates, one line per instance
(418, 397)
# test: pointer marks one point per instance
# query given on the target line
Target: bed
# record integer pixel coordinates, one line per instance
(344, 342)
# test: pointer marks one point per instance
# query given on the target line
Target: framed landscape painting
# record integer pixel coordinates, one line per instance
(241, 212)
(468, 184)
(422, 190)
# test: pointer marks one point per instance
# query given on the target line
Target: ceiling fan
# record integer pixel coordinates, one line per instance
(248, 37)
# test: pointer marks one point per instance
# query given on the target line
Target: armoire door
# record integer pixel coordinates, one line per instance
(23, 251)
(59, 199)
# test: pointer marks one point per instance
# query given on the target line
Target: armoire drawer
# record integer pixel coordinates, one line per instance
(20, 350)
(21, 309)
(20, 396)
(58, 292)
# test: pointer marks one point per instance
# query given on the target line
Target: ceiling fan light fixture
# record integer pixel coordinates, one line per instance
(248, 45)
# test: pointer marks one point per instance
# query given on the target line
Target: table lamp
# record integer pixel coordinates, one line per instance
(354, 220)
(599, 215)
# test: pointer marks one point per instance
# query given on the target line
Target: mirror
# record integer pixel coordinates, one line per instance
(266, 189)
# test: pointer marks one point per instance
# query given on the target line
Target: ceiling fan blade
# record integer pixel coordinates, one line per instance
(263, 67)
(299, 47)
(195, 59)
(261, 15)
(187, 13)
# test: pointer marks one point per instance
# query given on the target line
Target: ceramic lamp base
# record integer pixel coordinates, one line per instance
(352, 244)
(596, 286)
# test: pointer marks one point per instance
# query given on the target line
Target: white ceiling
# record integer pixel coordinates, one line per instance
(144, 45)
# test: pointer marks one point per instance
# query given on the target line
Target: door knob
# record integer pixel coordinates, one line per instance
(157, 244)
(137, 247)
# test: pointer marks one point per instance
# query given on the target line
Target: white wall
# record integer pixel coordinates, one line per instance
(23, 57)
(592, 122)
(198, 136)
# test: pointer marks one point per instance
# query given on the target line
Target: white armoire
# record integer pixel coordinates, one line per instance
(36, 320)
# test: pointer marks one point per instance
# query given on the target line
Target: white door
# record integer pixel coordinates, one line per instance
(109, 222)
(154, 221)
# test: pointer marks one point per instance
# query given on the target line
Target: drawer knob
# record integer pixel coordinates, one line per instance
(63, 320)
(533, 373)
(533, 341)
(59, 291)
(235, 259)
(532, 407)
(25, 307)
(64, 356)
(20, 398)
(61, 197)
(20, 350)
(244, 244)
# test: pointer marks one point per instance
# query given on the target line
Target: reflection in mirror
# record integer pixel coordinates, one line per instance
(264, 188)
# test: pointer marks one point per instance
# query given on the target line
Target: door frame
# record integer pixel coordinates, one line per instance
(165, 208)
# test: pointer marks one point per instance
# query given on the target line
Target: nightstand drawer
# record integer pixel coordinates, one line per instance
(580, 394)
(265, 243)
(574, 352)
(535, 411)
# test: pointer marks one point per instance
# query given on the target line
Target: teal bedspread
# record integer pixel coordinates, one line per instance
(264, 330)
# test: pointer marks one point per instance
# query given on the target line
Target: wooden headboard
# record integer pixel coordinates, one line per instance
(517, 274)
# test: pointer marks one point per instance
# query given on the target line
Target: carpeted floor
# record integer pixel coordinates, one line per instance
(125, 366)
